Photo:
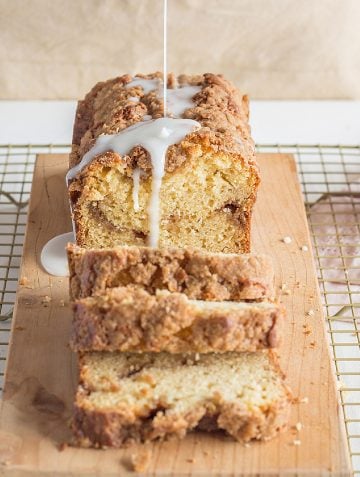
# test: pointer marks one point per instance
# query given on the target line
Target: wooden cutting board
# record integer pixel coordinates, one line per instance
(41, 371)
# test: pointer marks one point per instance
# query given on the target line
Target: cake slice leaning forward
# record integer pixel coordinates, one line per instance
(200, 275)
(126, 398)
(131, 319)
(210, 176)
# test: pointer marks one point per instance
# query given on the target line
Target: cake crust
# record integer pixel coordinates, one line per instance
(130, 319)
(199, 275)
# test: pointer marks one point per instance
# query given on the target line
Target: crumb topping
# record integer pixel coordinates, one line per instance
(112, 106)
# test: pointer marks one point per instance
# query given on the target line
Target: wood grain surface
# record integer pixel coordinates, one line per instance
(41, 371)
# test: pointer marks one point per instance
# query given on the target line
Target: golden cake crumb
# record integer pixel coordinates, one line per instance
(141, 460)
(46, 300)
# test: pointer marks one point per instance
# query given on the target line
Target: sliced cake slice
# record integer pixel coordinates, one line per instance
(131, 319)
(200, 275)
(125, 398)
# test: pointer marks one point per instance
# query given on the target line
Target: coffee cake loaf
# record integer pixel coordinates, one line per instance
(200, 275)
(211, 176)
(125, 398)
(130, 319)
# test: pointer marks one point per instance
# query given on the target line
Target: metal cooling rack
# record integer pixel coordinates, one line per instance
(330, 180)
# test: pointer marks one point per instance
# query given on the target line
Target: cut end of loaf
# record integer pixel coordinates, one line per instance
(211, 177)
(125, 398)
(206, 203)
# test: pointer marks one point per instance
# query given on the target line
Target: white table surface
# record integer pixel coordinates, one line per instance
(285, 122)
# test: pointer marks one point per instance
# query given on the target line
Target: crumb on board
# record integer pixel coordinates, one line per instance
(298, 426)
(46, 300)
(304, 248)
(310, 312)
(287, 292)
(298, 400)
(191, 460)
(62, 446)
(62, 303)
(141, 460)
(296, 442)
(24, 281)
(287, 239)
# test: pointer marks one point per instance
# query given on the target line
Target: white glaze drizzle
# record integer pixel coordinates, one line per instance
(155, 136)
(178, 100)
(135, 191)
(146, 84)
(165, 56)
(53, 256)
(181, 99)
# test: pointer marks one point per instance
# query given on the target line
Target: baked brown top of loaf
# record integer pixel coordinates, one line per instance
(198, 274)
(219, 107)
(131, 319)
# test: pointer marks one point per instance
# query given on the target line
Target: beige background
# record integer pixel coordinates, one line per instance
(270, 48)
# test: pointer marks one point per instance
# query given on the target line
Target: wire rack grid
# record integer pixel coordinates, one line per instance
(330, 180)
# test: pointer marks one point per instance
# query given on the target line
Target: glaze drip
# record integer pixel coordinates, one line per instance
(155, 136)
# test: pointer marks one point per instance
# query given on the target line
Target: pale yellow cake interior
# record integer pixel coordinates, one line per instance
(141, 382)
(202, 205)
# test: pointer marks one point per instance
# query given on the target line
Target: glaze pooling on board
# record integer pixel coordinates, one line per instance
(155, 136)
(53, 256)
